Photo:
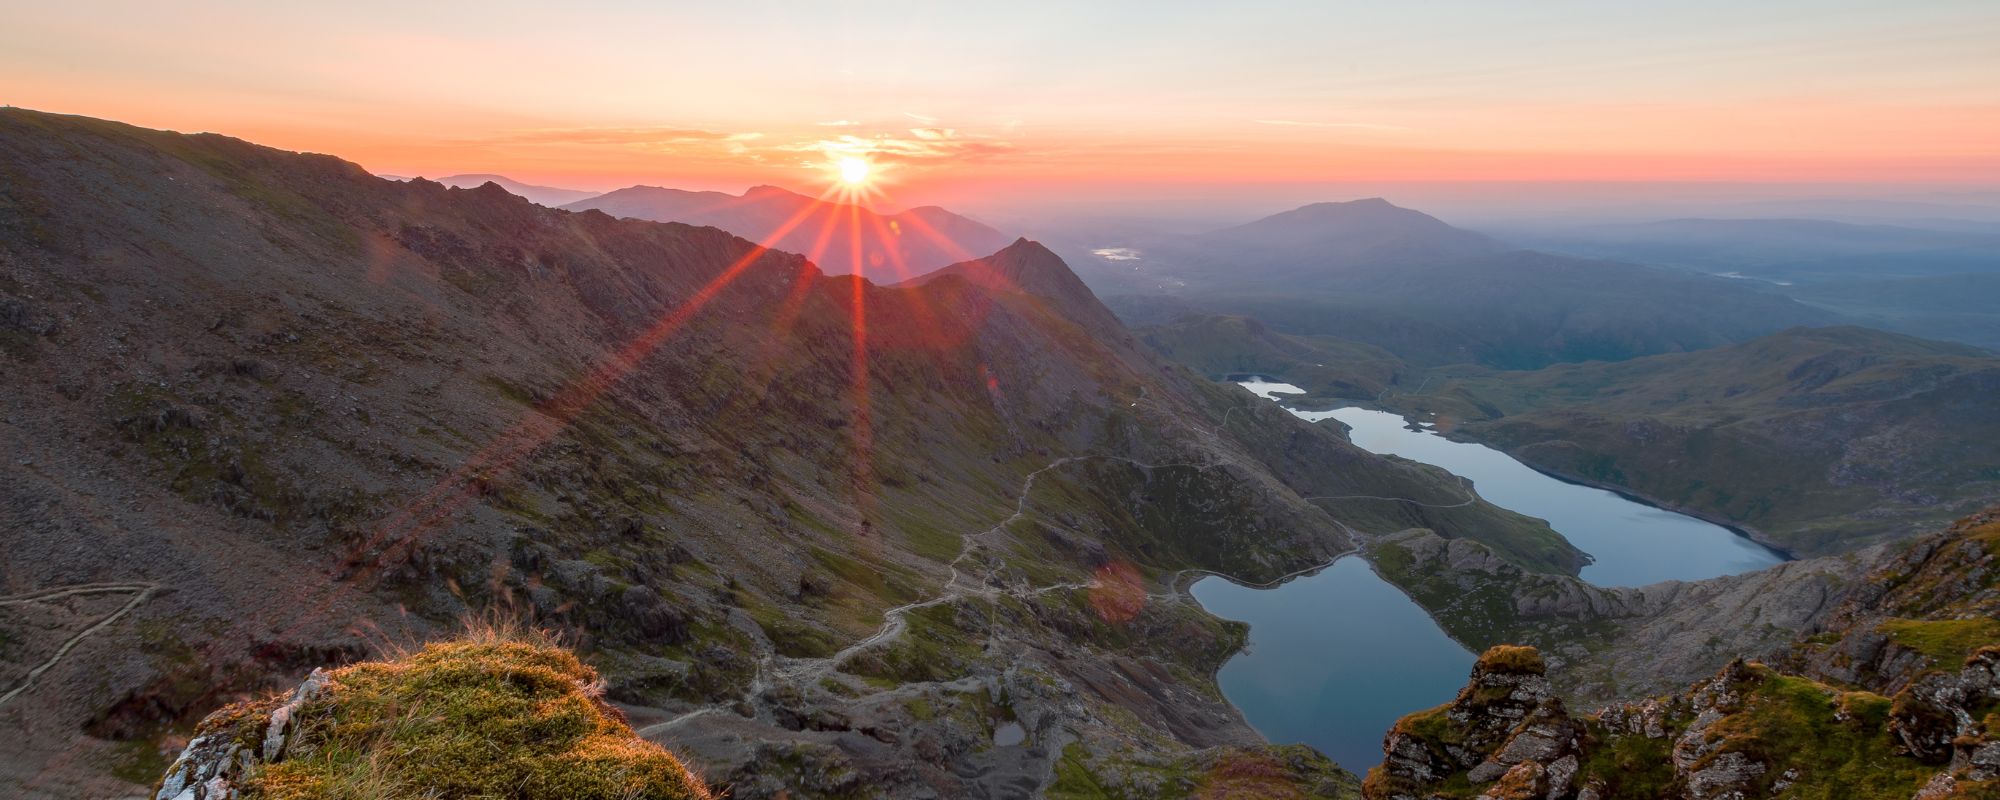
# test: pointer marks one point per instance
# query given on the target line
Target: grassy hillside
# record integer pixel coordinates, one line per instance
(1219, 346)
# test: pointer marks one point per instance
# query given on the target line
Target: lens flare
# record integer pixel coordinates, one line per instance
(854, 170)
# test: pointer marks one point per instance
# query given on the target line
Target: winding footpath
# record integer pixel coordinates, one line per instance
(959, 585)
(140, 591)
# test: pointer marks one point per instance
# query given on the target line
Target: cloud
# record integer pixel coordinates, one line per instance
(838, 123)
(1368, 126)
(923, 145)
(923, 118)
(625, 136)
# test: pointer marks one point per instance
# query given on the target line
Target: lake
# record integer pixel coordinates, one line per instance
(1336, 657)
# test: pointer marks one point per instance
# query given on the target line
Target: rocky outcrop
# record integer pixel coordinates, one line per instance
(1506, 728)
(1747, 732)
(215, 762)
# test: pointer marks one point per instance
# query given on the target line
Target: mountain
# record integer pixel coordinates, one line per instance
(1371, 272)
(1347, 235)
(264, 412)
(840, 238)
(542, 195)
(1028, 268)
(1815, 439)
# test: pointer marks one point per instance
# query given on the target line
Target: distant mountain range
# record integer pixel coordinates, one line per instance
(1373, 272)
(840, 238)
(543, 195)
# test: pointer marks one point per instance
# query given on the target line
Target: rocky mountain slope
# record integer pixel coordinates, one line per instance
(1894, 694)
(265, 412)
(840, 237)
(1817, 440)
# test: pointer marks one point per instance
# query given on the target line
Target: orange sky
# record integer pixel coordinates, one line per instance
(1028, 97)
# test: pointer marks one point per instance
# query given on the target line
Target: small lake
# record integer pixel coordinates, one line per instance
(1335, 658)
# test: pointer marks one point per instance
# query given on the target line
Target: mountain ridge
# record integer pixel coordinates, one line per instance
(841, 236)
(550, 196)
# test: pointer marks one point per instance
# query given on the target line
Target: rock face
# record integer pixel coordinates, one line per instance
(1915, 715)
(216, 763)
(1506, 726)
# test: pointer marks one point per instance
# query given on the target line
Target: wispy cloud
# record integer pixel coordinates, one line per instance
(1366, 126)
(838, 123)
(923, 118)
(922, 145)
(625, 136)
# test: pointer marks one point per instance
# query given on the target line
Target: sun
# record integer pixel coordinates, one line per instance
(854, 170)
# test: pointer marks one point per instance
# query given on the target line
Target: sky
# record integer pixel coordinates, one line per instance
(1052, 100)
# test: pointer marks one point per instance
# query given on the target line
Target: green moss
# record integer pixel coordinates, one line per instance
(1630, 766)
(1796, 725)
(1946, 641)
(485, 717)
(139, 761)
(932, 648)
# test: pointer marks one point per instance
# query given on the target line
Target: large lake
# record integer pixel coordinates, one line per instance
(1336, 657)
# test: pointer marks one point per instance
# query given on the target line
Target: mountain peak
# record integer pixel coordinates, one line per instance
(1365, 229)
(768, 190)
(1028, 267)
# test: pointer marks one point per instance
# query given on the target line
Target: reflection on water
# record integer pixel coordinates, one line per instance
(1337, 657)
(1334, 659)
(1633, 543)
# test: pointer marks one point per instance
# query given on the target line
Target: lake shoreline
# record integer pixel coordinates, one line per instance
(1748, 532)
